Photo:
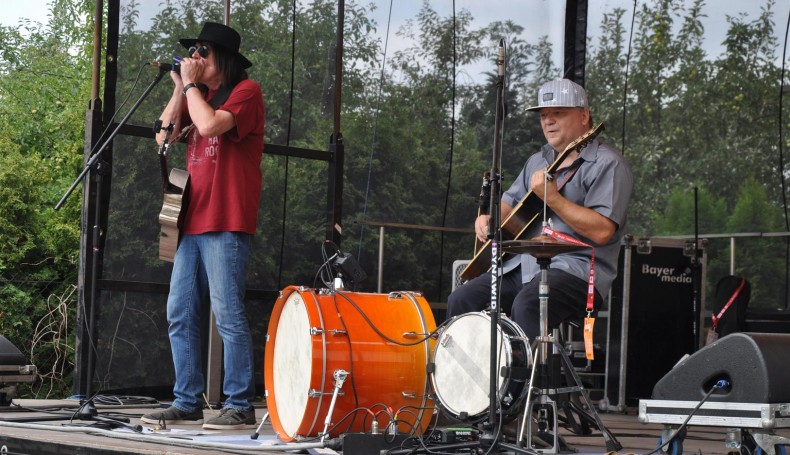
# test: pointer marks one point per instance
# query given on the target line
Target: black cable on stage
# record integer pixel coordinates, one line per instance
(373, 139)
(720, 384)
(287, 143)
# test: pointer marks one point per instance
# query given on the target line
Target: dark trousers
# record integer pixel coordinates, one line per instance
(567, 299)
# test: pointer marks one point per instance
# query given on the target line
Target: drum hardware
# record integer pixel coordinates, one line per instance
(313, 393)
(543, 250)
(320, 331)
(258, 430)
(340, 377)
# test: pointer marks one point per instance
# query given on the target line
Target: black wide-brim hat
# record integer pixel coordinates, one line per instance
(220, 35)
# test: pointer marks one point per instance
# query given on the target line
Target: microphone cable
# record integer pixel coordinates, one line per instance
(720, 384)
(115, 114)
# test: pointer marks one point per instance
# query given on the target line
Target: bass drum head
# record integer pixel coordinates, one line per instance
(461, 366)
(292, 366)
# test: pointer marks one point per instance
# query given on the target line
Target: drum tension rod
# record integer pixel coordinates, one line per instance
(415, 334)
(320, 331)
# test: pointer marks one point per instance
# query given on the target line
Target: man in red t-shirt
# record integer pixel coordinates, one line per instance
(213, 94)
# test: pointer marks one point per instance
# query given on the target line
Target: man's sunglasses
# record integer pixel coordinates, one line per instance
(202, 50)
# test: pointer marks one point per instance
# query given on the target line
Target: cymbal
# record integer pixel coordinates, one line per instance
(542, 246)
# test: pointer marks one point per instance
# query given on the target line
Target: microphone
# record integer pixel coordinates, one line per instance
(163, 67)
(500, 63)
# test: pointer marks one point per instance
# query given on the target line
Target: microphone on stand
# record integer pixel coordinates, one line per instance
(164, 67)
(500, 63)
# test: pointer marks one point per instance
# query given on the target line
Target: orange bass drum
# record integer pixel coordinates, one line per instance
(378, 339)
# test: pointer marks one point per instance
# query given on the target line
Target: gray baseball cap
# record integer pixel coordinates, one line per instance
(561, 93)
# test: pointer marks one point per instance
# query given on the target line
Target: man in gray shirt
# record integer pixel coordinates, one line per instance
(586, 199)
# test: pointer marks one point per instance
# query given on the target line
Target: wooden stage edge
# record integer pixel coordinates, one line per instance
(28, 427)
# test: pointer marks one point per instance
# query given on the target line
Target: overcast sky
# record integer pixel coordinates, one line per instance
(549, 21)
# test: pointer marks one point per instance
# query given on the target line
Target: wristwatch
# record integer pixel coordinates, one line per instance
(187, 87)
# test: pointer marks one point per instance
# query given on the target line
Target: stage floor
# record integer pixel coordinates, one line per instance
(27, 428)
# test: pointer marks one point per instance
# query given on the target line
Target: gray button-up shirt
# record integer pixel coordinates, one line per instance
(603, 182)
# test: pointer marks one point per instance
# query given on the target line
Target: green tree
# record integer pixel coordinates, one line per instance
(708, 216)
(759, 260)
(44, 85)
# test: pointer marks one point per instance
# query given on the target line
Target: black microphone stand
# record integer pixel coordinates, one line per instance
(696, 279)
(492, 427)
(88, 409)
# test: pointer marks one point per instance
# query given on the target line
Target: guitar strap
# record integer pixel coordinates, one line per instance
(570, 172)
(220, 97)
(216, 101)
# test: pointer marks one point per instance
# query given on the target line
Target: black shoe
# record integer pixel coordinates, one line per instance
(231, 419)
(174, 416)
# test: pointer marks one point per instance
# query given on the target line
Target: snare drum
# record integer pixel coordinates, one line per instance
(461, 368)
(312, 335)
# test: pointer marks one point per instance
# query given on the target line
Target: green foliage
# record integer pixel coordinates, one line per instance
(44, 85)
(760, 260)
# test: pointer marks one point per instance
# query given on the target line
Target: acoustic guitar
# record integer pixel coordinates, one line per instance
(175, 191)
(524, 213)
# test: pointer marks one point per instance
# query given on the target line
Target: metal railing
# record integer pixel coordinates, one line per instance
(383, 226)
(732, 238)
(382, 232)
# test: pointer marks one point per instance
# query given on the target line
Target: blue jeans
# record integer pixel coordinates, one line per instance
(210, 265)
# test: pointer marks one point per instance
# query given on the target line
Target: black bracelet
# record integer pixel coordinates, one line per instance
(187, 87)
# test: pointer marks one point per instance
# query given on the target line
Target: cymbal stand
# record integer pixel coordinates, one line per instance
(546, 406)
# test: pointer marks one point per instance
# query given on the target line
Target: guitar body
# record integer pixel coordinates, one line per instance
(524, 213)
(171, 217)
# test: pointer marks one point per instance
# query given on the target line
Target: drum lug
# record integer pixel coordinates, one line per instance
(412, 395)
(320, 331)
(313, 393)
(415, 335)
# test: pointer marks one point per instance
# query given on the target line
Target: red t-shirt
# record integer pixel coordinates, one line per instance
(225, 171)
